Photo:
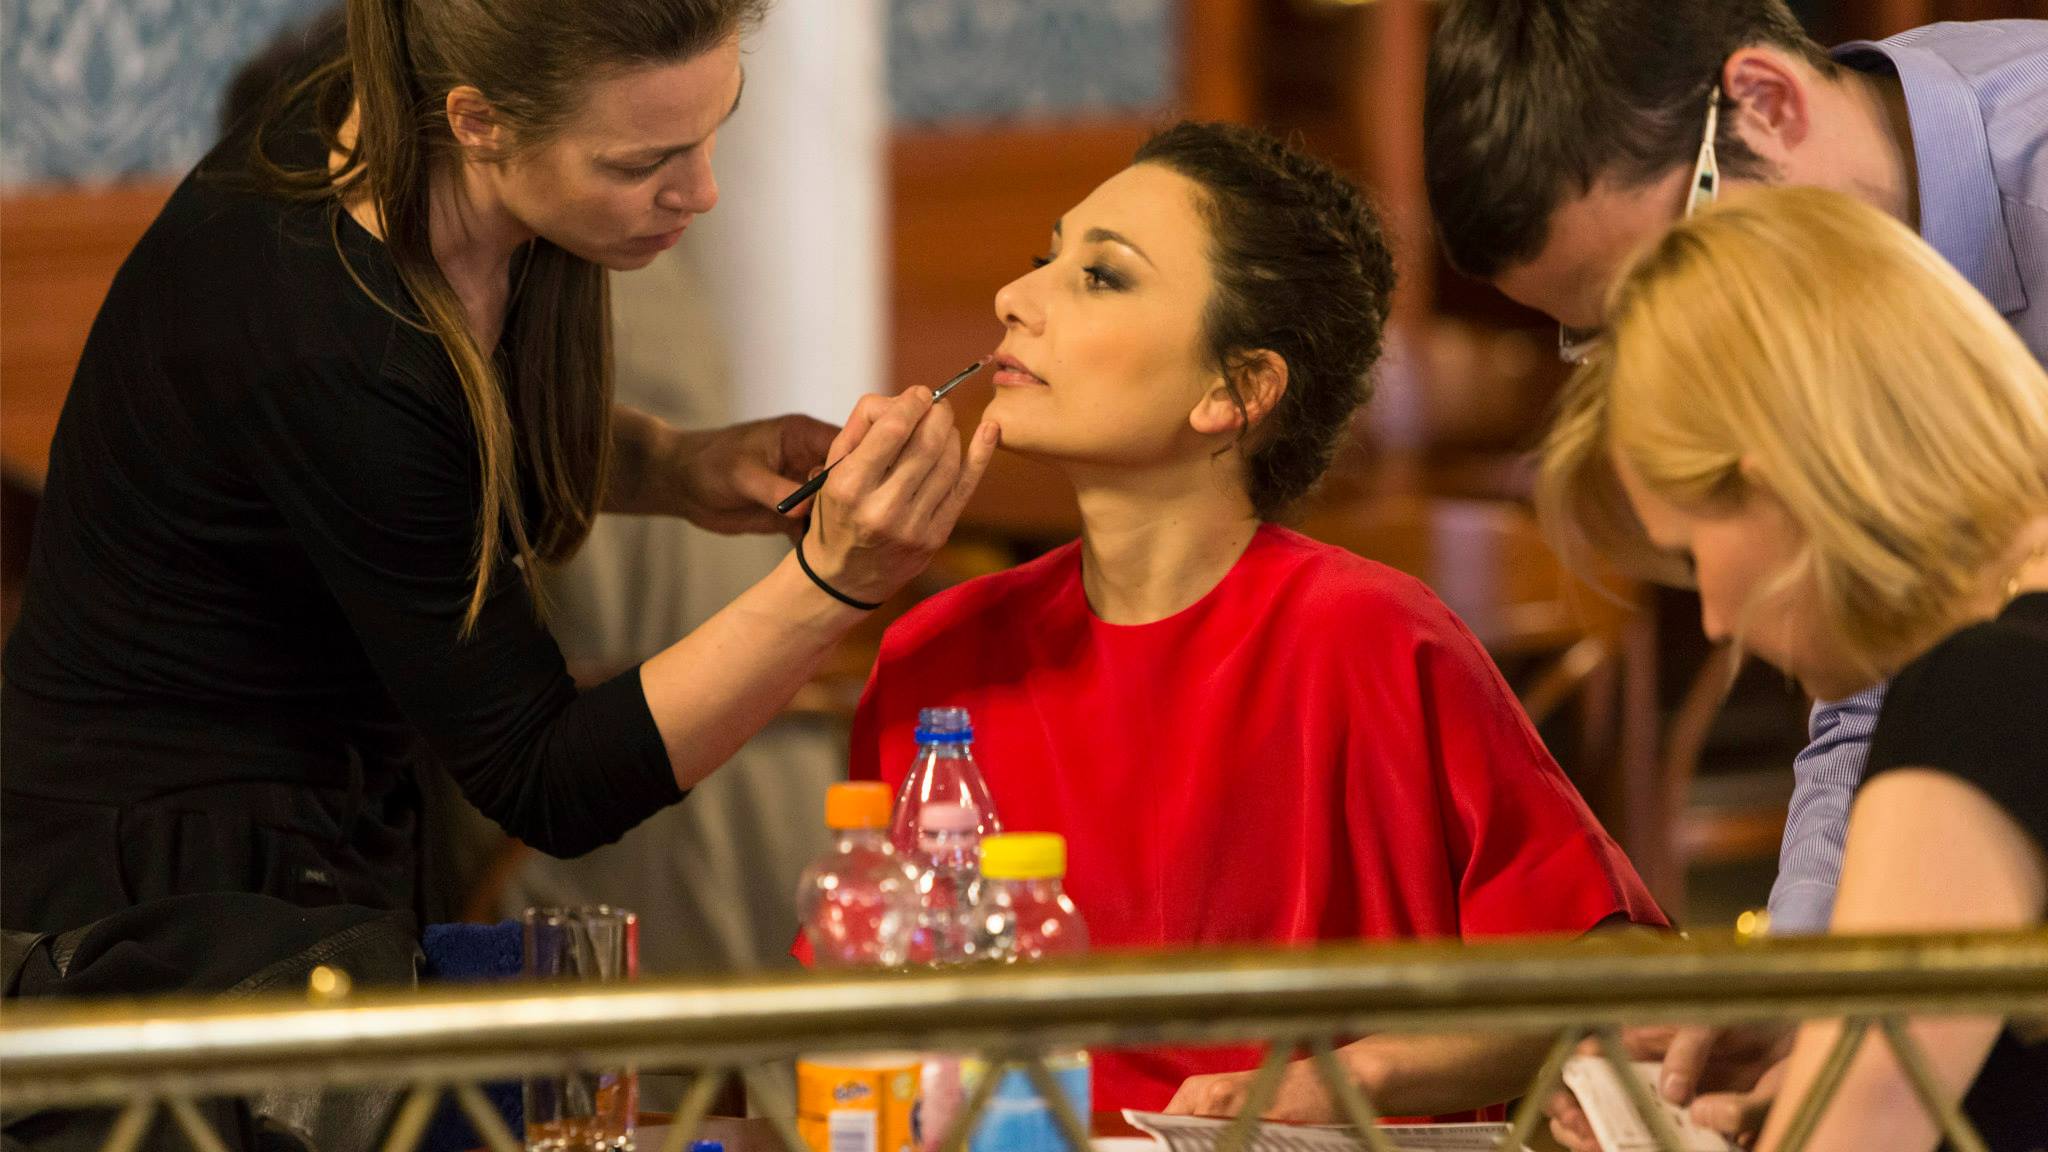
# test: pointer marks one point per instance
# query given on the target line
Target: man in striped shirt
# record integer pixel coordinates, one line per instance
(1560, 135)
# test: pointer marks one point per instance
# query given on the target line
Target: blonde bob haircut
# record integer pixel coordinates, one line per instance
(1807, 343)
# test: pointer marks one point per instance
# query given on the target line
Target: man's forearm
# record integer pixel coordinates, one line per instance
(1817, 820)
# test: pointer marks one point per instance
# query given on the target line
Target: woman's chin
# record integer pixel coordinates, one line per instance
(1021, 437)
(1830, 686)
(1020, 424)
(1822, 683)
(1018, 442)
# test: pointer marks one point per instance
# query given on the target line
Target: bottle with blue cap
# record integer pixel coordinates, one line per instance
(943, 813)
(944, 773)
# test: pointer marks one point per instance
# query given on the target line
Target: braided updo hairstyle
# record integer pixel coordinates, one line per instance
(1302, 270)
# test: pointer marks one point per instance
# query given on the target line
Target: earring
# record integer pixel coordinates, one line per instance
(2012, 582)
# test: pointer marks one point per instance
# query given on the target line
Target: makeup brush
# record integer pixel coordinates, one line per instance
(810, 487)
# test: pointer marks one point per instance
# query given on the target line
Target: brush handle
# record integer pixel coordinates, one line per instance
(809, 488)
(804, 491)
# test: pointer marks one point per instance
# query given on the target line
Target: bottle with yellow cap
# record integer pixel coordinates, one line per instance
(1024, 914)
(859, 900)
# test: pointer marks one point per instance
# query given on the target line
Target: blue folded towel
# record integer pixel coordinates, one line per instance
(469, 953)
(472, 954)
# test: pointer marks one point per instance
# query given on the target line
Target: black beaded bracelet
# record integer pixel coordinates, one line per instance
(829, 590)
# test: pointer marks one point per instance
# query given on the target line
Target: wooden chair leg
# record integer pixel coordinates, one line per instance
(1569, 675)
(1685, 742)
(1648, 828)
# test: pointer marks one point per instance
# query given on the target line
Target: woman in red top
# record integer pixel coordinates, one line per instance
(1246, 736)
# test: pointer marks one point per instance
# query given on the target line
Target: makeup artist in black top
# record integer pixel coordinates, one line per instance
(348, 392)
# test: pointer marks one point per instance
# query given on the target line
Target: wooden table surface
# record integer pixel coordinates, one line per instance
(737, 1135)
(756, 1135)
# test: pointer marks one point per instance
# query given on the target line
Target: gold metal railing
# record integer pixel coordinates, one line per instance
(146, 1055)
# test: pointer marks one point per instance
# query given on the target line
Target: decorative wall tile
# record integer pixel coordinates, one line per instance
(1012, 59)
(95, 90)
(98, 90)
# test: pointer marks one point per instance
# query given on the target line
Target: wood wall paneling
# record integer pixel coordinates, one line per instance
(1218, 44)
(1389, 89)
(1898, 15)
(59, 251)
(971, 207)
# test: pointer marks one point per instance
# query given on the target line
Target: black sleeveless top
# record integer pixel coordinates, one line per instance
(1972, 707)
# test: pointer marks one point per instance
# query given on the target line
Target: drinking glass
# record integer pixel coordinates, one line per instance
(586, 1109)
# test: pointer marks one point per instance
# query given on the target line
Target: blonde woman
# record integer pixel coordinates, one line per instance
(1805, 413)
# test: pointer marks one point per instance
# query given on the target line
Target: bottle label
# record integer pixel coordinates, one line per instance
(850, 1131)
(858, 1102)
(1018, 1119)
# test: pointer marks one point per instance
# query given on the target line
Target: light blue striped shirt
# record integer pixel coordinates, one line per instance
(1977, 98)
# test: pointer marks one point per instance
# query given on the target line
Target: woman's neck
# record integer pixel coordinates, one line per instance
(1153, 545)
(475, 239)
(473, 236)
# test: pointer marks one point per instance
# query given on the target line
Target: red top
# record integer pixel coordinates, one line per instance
(1316, 750)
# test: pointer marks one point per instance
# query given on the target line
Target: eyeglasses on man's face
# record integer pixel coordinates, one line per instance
(1574, 345)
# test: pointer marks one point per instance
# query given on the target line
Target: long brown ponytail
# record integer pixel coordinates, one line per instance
(546, 420)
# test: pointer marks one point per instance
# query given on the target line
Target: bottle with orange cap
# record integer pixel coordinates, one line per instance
(859, 905)
(859, 900)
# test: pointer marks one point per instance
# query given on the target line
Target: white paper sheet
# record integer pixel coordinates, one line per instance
(1200, 1134)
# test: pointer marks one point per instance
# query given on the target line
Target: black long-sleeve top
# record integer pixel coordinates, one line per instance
(250, 569)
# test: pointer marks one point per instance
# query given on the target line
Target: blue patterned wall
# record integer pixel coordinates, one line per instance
(1004, 59)
(95, 90)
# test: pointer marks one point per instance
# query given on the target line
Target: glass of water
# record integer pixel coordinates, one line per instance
(587, 1109)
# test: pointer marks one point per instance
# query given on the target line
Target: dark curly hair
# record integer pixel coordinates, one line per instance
(1303, 271)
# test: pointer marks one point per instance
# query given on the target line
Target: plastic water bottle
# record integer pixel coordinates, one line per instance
(1024, 914)
(948, 862)
(859, 900)
(947, 856)
(945, 773)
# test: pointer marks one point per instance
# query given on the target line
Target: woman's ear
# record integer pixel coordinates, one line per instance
(1754, 477)
(1757, 487)
(473, 121)
(1261, 379)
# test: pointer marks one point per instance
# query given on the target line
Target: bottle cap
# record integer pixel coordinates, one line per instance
(944, 726)
(859, 805)
(947, 818)
(1024, 856)
(707, 1146)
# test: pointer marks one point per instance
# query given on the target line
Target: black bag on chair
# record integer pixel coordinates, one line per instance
(226, 944)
